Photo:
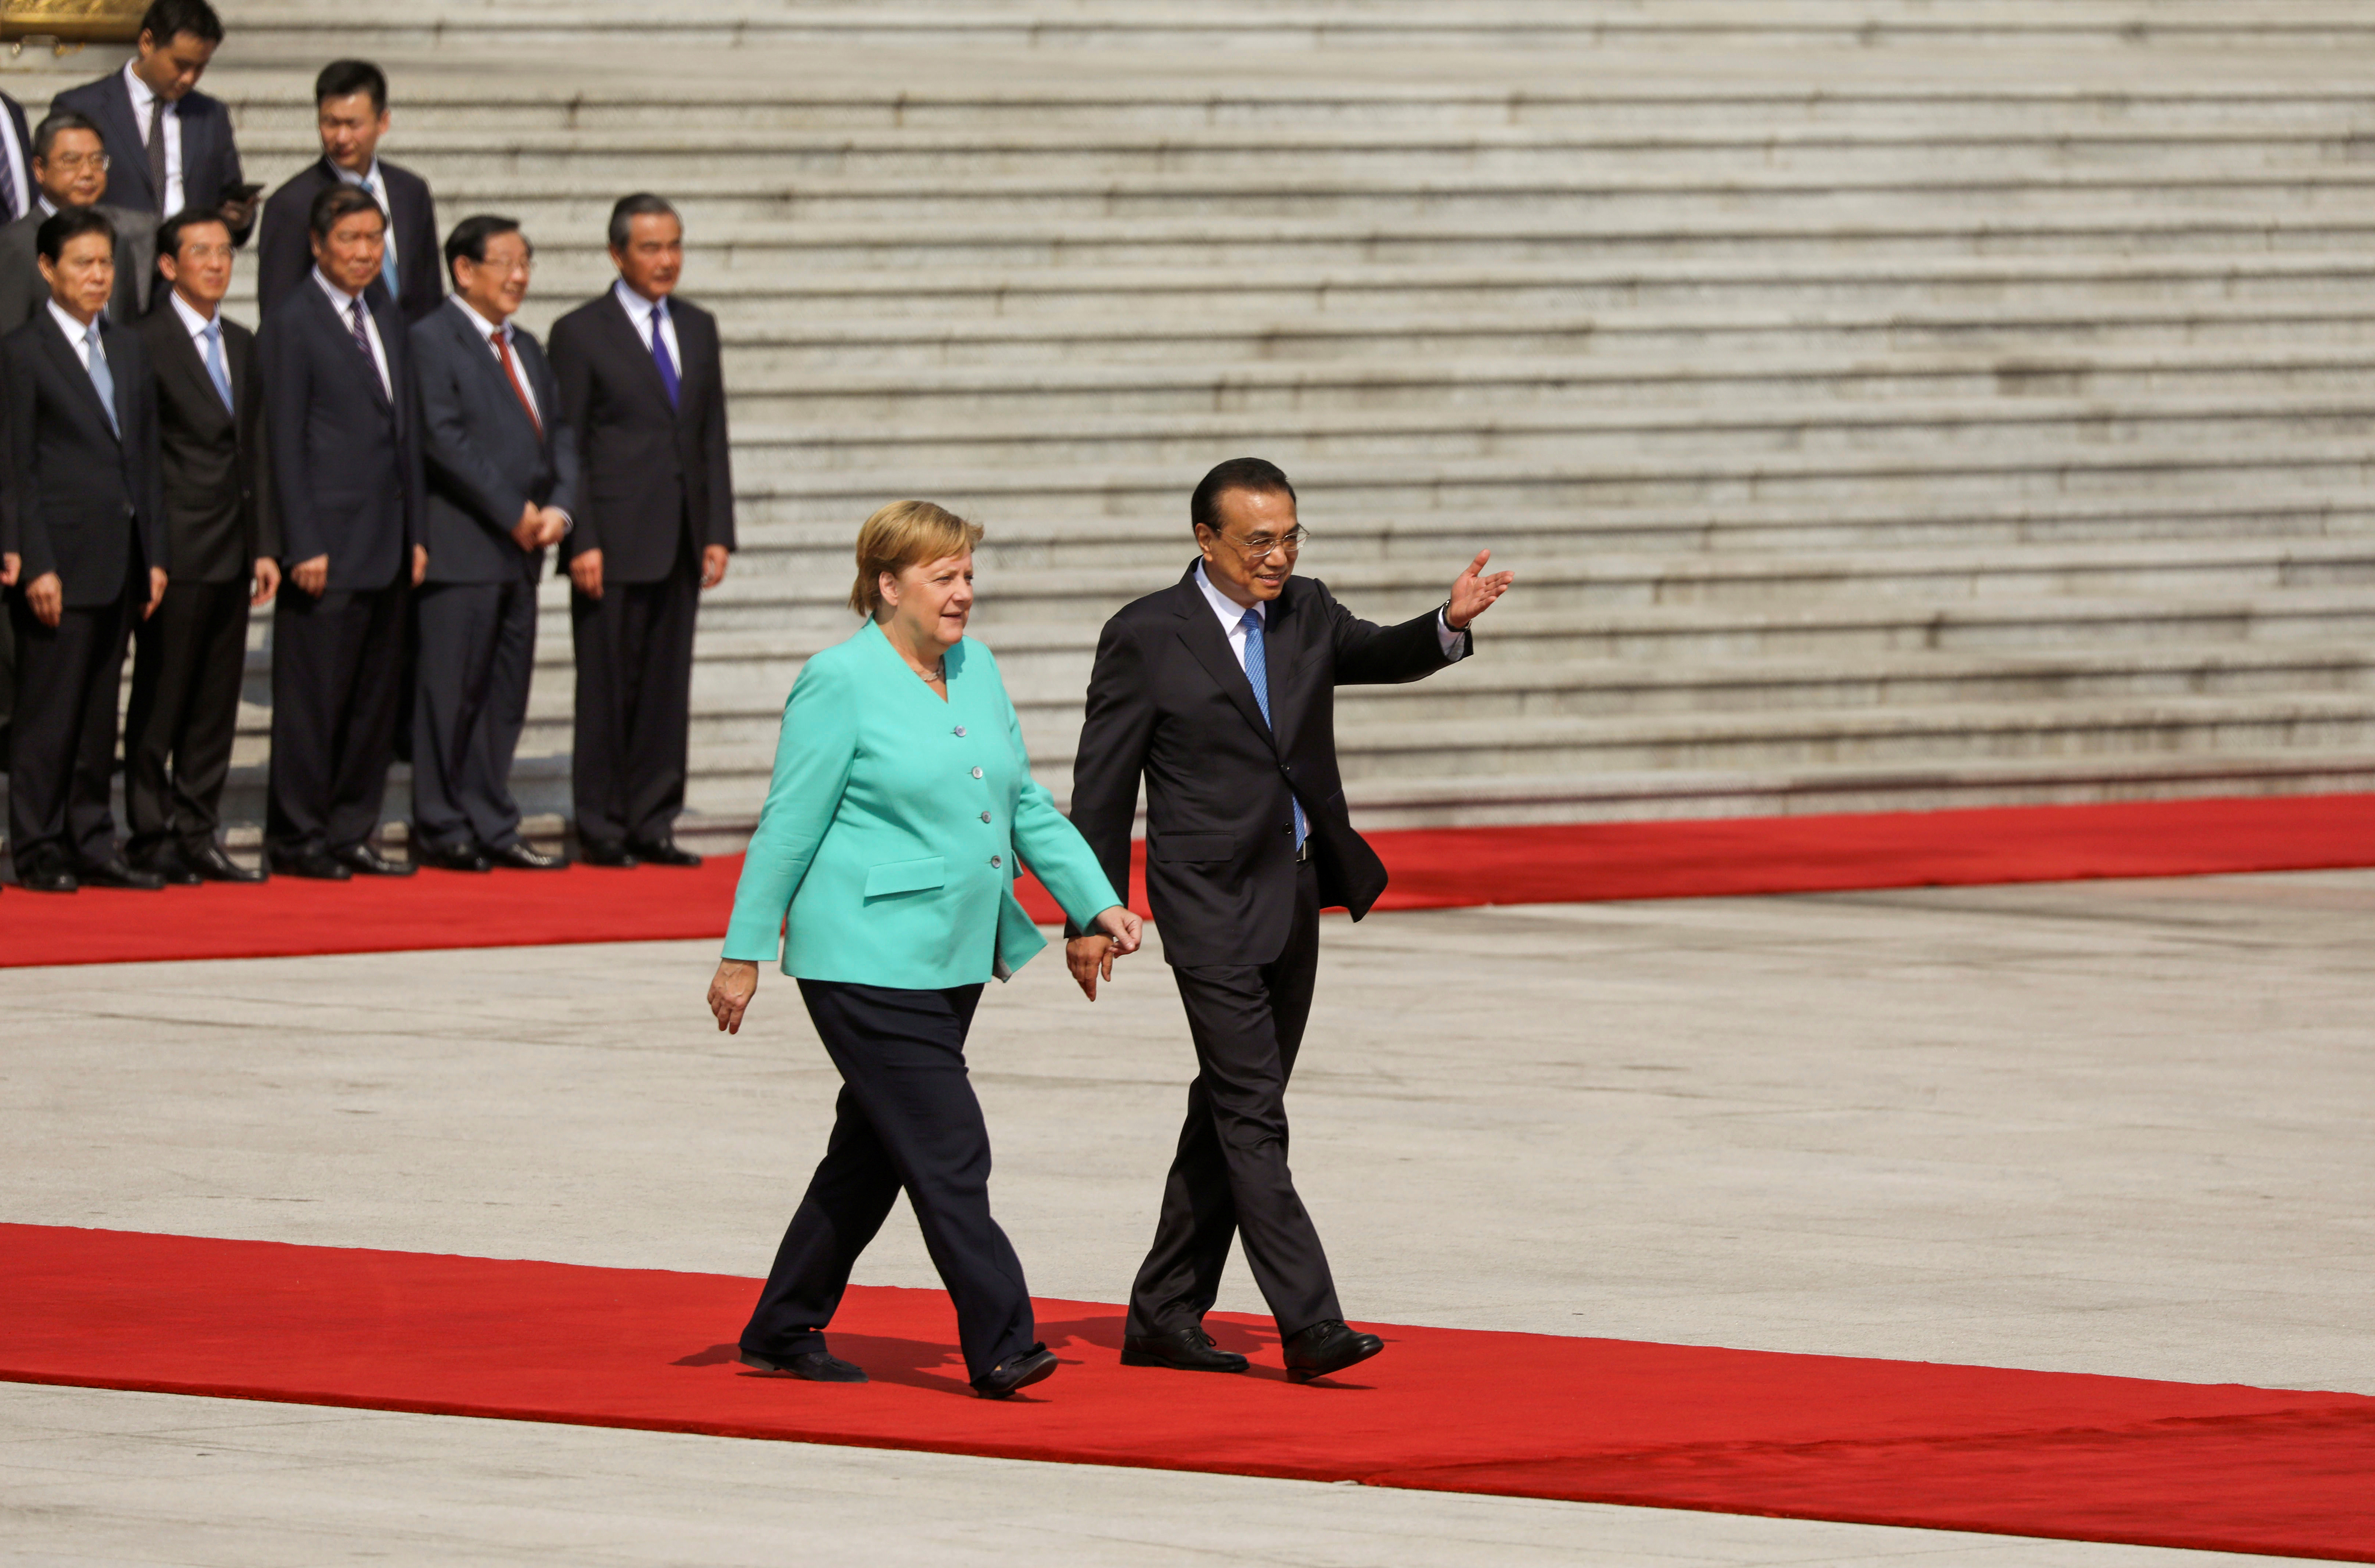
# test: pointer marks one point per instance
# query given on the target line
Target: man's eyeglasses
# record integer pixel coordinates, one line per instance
(1262, 547)
(76, 162)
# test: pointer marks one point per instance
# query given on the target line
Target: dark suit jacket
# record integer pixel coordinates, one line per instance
(217, 521)
(485, 459)
(1168, 700)
(653, 475)
(346, 458)
(81, 502)
(284, 253)
(209, 155)
(22, 292)
(26, 191)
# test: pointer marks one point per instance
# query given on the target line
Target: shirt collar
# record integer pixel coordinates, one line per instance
(1228, 609)
(367, 177)
(478, 323)
(141, 97)
(196, 324)
(339, 297)
(49, 208)
(639, 309)
(76, 331)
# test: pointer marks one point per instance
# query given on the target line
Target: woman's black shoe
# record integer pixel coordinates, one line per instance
(1032, 1365)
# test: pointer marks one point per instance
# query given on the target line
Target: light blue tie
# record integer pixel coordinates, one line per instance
(1258, 672)
(387, 256)
(101, 377)
(216, 369)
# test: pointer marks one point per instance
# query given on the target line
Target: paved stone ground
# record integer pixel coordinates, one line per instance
(2111, 1127)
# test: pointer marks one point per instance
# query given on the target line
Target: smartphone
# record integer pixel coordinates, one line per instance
(237, 193)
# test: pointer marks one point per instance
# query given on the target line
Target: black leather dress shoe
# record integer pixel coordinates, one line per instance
(605, 851)
(663, 852)
(167, 861)
(318, 865)
(364, 861)
(1032, 1365)
(519, 857)
(1186, 1349)
(213, 866)
(117, 872)
(1325, 1346)
(450, 858)
(815, 1366)
(49, 874)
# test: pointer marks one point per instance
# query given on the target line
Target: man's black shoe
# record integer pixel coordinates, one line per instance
(1325, 1346)
(47, 874)
(450, 858)
(364, 861)
(1032, 1365)
(605, 851)
(663, 852)
(117, 872)
(319, 865)
(816, 1366)
(167, 861)
(1186, 1350)
(519, 857)
(213, 866)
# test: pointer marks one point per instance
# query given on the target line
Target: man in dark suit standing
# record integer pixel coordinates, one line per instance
(169, 144)
(70, 170)
(85, 551)
(16, 200)
(342, 421)
(350, 113)
(189, 658)
(642, 383)
(503, 477)
(1219, 694)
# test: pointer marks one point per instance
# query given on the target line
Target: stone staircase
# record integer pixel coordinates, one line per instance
(1884, 403)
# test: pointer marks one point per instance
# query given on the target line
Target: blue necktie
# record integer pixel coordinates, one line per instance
(101, 377)
(387, 256)
(1258, 672)
(660, 354)
(216, 369)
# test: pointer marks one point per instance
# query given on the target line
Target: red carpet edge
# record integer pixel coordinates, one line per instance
(1991, 1450)
(1432, 868)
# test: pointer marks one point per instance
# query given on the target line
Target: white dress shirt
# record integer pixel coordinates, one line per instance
(77, 333)
(344, 303)
(486, 331)
(1233, 621)
(172, 127)
(195, 322)
(14, 152)
(639, 311)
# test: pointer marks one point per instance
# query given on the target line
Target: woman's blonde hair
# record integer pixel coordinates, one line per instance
(904, 534)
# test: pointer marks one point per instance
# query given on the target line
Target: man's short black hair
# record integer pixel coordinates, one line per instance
(69, 224)
(470, 236)
(169, 232)
(643, 204)
(166, 19)
(58, 121)
(335, 202)
(1237, 473)
(344, 79)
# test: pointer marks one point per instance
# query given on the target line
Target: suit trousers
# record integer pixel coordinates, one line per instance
(68, 678)
(907, 1119)
(477, 651)
(634, 703)
(1229, 1176)
(337, 664)
(188, 661)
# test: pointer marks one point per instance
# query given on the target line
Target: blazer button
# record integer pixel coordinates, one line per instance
(996, 861)
(985, 816)
(976, 772)
(960, 731)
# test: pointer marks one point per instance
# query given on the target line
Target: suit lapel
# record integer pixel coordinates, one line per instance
(626, 335)
(1282, 640)
(498, 384)
(1200, 629)
(180, 358)
(118, 100)
(70, 365)
(358, 358)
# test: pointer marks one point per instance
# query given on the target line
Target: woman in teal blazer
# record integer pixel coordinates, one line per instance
(886, 855)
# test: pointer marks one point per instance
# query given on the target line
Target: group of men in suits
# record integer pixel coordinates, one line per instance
(388, 464)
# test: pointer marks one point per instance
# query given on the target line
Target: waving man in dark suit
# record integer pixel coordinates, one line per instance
(502, 476)
(1219, 694)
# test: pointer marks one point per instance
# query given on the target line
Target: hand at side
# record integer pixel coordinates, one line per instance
(730, 991)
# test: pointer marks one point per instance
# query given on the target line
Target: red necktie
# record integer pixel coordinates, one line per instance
(511, 369)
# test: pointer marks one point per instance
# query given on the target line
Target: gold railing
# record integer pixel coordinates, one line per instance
(71, 21)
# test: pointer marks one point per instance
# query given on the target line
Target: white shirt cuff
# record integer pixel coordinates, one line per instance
(1455, 643)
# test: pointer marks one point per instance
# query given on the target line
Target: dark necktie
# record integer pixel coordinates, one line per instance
(7, 188)
(511, 368)
(157, 152)
(660, 356)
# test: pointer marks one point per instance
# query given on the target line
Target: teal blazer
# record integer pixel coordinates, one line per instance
(887, 850)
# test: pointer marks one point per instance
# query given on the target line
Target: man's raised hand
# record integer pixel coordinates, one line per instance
(1474, 593)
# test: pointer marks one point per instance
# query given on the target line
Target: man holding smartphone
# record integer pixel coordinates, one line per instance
(168, 146)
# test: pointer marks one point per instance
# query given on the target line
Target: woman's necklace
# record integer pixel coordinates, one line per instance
(937, 672)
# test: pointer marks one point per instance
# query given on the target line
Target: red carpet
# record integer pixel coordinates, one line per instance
(1435, 868)
(1953, 1447)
